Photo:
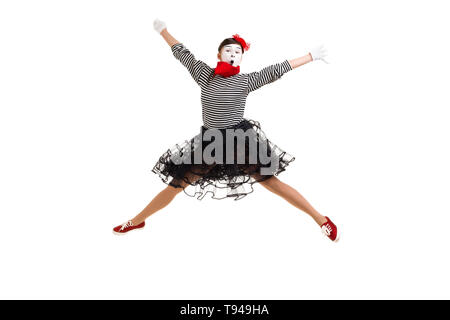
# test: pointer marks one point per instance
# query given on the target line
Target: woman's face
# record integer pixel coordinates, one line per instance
(231, 53)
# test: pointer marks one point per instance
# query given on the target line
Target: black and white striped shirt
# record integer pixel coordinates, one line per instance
(223, 98)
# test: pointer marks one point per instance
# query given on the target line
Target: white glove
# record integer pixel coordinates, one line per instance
(319, 53)
(159, 25)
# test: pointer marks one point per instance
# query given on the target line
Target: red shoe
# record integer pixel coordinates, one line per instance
(127, 226)
(330, 230)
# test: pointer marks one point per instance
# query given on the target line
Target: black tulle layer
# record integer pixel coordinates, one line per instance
(222, 180)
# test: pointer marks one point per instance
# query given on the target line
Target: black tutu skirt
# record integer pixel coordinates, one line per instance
(227, 176)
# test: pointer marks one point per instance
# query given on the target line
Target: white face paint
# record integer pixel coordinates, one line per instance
(231, 53)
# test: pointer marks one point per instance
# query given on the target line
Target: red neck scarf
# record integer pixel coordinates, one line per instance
(225, 69)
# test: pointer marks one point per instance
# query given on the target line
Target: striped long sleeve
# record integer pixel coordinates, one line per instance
(267, 75)
(197, 68)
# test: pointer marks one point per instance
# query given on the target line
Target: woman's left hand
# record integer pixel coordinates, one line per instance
(319, 53)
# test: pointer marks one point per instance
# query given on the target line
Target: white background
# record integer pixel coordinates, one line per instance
(91, 96)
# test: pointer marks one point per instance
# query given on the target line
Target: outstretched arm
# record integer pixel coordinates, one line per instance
(256, 80)
(197, 68)
(171, 41)
(274, 72)
(297, 62)
(161, 28)
(317, 53)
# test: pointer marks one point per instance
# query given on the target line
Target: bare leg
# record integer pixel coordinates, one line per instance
(161, 200)
(292, 196)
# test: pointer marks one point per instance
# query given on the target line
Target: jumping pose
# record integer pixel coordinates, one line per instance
(224, 91)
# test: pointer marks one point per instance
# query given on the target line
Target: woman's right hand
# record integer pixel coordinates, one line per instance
(159, 25)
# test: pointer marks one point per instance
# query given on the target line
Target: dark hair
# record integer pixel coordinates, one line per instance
(230, 41)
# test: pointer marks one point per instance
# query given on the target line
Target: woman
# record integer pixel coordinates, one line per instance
(220, 167)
